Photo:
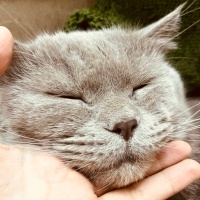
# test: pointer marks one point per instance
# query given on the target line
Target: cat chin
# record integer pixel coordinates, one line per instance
(123, 175)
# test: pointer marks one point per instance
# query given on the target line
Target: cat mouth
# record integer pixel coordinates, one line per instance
(127, 157)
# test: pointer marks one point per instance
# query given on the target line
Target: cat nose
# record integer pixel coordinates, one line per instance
(125, 128)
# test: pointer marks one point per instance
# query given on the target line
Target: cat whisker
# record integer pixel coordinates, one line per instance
(190, 11)
(187, 130)
(178, 34)
(18, 145)
(192, 120)
(191, 124)
(186, 110)
(185, 29)
(194, 125)
(189, 6)
(22, 143)
(183, 127)
(187, 126)
(16, 21)
(25, 143)
(189, 58)
(192, 115)
(192, 128)
(25, 137)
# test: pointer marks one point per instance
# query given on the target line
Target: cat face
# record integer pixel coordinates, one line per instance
(105, 102)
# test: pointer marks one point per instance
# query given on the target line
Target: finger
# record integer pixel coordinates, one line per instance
(161, 185)
(6, 48)
(173, 153)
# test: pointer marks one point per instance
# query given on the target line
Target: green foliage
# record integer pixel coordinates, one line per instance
(133, 12)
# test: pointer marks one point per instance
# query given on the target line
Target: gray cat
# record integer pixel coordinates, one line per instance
(105, 102)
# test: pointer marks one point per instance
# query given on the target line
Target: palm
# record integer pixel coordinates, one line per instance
(32, 175)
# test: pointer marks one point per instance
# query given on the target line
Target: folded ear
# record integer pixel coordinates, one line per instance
(165, 29)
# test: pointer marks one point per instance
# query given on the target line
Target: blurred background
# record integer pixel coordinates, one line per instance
(27, 18)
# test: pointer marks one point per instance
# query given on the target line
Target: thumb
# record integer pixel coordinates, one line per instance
(6, 48)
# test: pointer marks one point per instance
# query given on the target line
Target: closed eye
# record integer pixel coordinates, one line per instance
(138, 88)
(67, 96)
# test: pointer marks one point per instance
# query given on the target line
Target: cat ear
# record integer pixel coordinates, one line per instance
(165, 29)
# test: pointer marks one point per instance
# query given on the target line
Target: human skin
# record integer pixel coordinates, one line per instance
(6, 46)
(27, 174)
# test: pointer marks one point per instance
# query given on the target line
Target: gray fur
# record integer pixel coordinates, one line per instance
(63, 94)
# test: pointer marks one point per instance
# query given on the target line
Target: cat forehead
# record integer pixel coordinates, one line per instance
(109, 52)
(114, 49)
(114, 58)
(104, 41)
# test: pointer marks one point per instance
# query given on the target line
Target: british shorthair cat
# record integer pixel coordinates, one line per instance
(105, 102)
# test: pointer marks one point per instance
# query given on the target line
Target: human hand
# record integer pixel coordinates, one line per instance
(171, 173)
(6, 46)
(25, 174)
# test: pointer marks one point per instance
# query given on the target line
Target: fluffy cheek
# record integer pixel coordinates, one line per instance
(46, 118)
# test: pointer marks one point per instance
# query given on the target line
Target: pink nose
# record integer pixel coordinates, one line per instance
(125, 128)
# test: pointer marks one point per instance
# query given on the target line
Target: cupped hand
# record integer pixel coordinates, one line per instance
(171, 174)
(26, 174)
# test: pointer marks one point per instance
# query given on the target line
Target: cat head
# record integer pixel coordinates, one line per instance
(105, 101)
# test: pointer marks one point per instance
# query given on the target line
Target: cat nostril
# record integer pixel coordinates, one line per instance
(125, 128)
(118, 130)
